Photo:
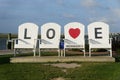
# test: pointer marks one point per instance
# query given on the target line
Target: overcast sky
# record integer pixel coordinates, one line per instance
(15, 12)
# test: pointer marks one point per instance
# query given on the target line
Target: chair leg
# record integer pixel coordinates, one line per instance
(110, 53)
(89, 52)
(58, 52)
(14, 52)
(64, 52)
(39, 53)
(34, 51)
(84, 52)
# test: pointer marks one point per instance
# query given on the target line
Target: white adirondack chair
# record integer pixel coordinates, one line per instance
(98, 35)
(74, 36)
(27, 37)
(50, 37)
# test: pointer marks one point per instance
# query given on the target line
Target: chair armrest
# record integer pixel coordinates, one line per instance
(39, 40)
(110, 40)
(9, 40)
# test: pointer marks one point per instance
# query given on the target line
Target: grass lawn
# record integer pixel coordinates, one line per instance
(38, 71)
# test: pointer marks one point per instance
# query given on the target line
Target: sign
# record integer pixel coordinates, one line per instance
(50, 35)
(98, 33)
(74, 35)
(27, 34)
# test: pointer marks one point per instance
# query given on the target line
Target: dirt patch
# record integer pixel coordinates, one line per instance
(65, 65)
(60, 78)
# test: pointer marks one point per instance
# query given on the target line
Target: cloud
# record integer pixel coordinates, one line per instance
(107, 19)
(98, 19)
(101, 19)
(88, 3)
(4, 3)
(60, 2)
(116, 12)
(66, 15)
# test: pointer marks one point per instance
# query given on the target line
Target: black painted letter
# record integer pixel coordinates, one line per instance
(53, 33)
(25, 34)
(97, 32)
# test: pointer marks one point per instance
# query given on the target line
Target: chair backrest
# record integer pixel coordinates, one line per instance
(98, 35)
(74, 34)
(27, 33)
(50, 35)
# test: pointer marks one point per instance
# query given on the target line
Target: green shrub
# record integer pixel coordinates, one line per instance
(26, 71)
(75, 49)
(118, 51)
(117, 59)
(101, 50)
(4, 59)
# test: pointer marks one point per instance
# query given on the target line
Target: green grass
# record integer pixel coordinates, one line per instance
(96, 71)
(38, 71)
(46, 53)
(28, 72)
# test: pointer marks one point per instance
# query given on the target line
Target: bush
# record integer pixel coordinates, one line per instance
(101, 50)
(117, 59)
(4, 59)
(118, 51)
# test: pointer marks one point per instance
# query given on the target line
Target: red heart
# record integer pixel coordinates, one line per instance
(74, 33)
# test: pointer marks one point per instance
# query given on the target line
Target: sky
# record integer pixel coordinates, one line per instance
(16, 12)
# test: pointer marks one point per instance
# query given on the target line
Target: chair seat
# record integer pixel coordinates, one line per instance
(49, 46)
(74, 46)
(25, 46)
(100, 45)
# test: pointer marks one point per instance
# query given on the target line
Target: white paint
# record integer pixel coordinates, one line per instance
(74, 35)
(46, 42)
(31, 33)
(50, 36)
(98, 34)
(102, 32)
